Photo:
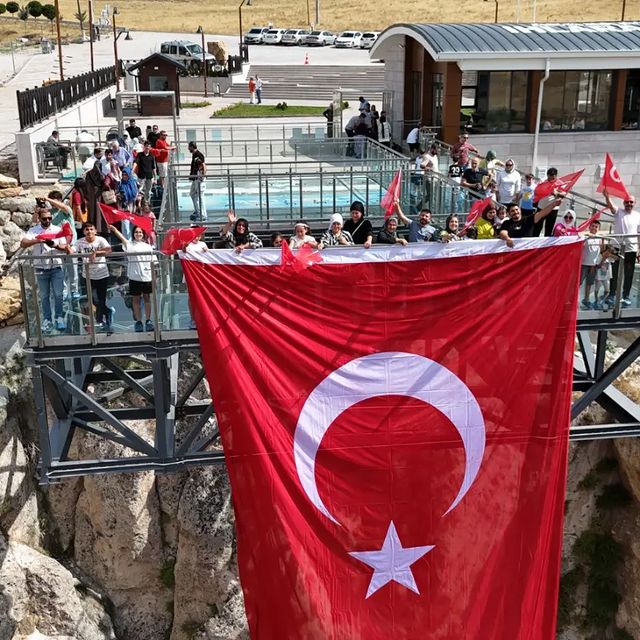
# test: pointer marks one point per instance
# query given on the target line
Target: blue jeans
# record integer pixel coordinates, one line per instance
(50, 281)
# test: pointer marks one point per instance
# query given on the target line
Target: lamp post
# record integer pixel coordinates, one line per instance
(624, 8)
(243, 3)
(115, 48)
(91, 29)
(59, 40)
(496, 16)
(204, 60)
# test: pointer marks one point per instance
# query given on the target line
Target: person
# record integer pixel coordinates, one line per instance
(389, 232)
(240, 238)
(501, 216)
(57, 149)
(48, 268)
(335, 235)
(259, 89)
(85, 146)
(94, 181)
(145, 168)
(252, 90)
(140, 259)
(626, 221)
(491, 163)
(525, 199)
(509, 183)
(134, 130)
(549, 222)
(128, 193)
(451, 228)
(62, 213)
(328, 114)
(350, 130)
(413, 140)
(161, 154)
(120, 154)
(96, 156)
(384, 130)
(93, 249)
(516, 227)
(375, 117)
(363, 104)
(568, 225)
(79, 200)
(462, 149)
(110, 170)
(485, 227)
(591, 251)
(152, 135)
(146, 212)
(360, 134)
(301, 236)
(197, 173)
(422, 230)
(603, 295)
(277, 239)
(358, 226)
(473, 176)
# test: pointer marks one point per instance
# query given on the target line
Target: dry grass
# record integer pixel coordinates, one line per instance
(222, 18)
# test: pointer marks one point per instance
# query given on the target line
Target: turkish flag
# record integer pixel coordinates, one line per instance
(113, 215)
(476, 211)
(65, 232)
(392, 194)
(396, 434)
(177, 238)
(304, 257)
(611, 180)
(563, 184)
(596, 216)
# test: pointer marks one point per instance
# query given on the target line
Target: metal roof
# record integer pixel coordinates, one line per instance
(161, 56)
(601, 41)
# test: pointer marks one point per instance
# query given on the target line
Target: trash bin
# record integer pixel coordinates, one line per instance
(45, 45)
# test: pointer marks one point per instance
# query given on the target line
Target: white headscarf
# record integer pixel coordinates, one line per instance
(336, 217)
(572, 213)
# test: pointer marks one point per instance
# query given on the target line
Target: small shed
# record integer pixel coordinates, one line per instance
(158, 72)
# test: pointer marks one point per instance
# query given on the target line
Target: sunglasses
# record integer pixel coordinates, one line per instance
(629, 201)
(46, 219)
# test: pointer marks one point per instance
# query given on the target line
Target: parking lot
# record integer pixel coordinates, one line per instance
(350, 39)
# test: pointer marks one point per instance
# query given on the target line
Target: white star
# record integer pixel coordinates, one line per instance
(392, 562)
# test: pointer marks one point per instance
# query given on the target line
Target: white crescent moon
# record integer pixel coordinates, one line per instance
(614, 175)
(381, 374)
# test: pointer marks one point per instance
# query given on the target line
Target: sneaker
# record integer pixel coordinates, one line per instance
(625, 303)
(148, 325)
(586, 305)
(598, 306)
(138, 328)
(60, 324)
(610, 300)
(47, 327)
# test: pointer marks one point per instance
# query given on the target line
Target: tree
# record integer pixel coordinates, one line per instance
(3, 8)
(34, 8)
(81, 17)
(23, 14)
(49, 12)
(13, 7)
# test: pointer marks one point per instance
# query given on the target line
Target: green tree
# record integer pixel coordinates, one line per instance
(34, 8)
(23, 14)
(3, 8)
(81, 17)
(49, 12)
(13, 7)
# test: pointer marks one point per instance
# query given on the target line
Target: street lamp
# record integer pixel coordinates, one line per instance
(204, 60)
(496, 17)
(59, 40)
(243, 3)
(115, 48)
(91, 30)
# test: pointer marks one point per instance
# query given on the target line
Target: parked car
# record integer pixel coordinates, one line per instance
(189, 53)
(255, 35)
(368, 38)
(273, 36)
(319, 38)
(294, 36)
(348, 39)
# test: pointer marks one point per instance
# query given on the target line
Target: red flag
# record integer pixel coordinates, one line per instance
(611, 180)
(564, 184)
(384, 485)
(392, 195)
(304, 257)
(177, 238)
(113, 215)
(65, 232)
(476, 211)
(593, 218)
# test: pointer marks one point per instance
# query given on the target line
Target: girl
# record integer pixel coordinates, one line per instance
(79, 200)
(301, 237)
(128, 193)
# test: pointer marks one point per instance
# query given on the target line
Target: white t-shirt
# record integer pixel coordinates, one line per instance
(591, 251)
(508, 185)
(140, 260)
(197, 247)
(43, 249)
(296, 242)
(625, 223)
(412, 138)
(98, 270)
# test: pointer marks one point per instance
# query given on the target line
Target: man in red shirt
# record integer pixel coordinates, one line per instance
(462, 149)
(161, 154)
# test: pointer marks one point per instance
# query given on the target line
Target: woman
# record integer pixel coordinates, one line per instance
(358, 227)
(140, 259)
(568, 225)
(451, 228)
(301, 237)
(252, 91)
(485, 227)
(236, 235)
(128, 192)
(384, 130)
(335, 235)
(79, 200)
(94, 188)
(389, 233)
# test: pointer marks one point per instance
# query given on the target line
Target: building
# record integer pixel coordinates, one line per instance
(542, 93)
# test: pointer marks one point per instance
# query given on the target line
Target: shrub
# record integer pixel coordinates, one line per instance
(49, 11)
(13, 7)
(3, 8)
(34, 8)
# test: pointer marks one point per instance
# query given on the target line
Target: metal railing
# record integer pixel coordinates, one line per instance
(39, 103)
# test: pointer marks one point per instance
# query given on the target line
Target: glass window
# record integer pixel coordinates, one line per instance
(501, 99)
(631, 113)
(576, 100)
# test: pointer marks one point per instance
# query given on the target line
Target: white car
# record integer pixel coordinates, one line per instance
(348, 40)
(294, 36)
(255, 35)
(320, 38)
(368, 38)
(273, 36)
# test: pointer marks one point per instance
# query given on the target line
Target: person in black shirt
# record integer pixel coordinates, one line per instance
(517, 227)
(473, 176)
(153, 135)
(134, 130)
(328, 114)
(197, 172)
(145, 167)
(358, 226)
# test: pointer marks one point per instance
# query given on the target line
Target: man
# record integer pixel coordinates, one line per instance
(60, 151)
(134, 130)
(62, 213)
(258, 89)
(197, 174)
(413, 140)
(328, 114)
(509, 183)
(120, 154)
(90, 162)
(462, 148)
(473, 176)
(161, 154)
(153, 135)
(516, 226)
(84, 146)
(360, 134)
(626, 221)
(550, 221)
(421, 230)
(49, 274)
(363, 104)
(350, 130)
(145, 168)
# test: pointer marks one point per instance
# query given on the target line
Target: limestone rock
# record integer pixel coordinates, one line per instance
(628, 450)
(10, 235)
(3, 257)
(26, 205)
(23, 220)
(11, 192)
(10, 299)
(39, 596)
(5, 216)
(218, 49)
(7, 182)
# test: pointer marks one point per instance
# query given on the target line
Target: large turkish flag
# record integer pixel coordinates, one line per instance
(395, 423)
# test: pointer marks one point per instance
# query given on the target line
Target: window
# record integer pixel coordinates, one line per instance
(576, 101)
(631, 114)
(501, 101)
(436, 107)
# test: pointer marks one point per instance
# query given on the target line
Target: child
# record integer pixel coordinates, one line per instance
(145, 211)
(591, 256)
(603, 275)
